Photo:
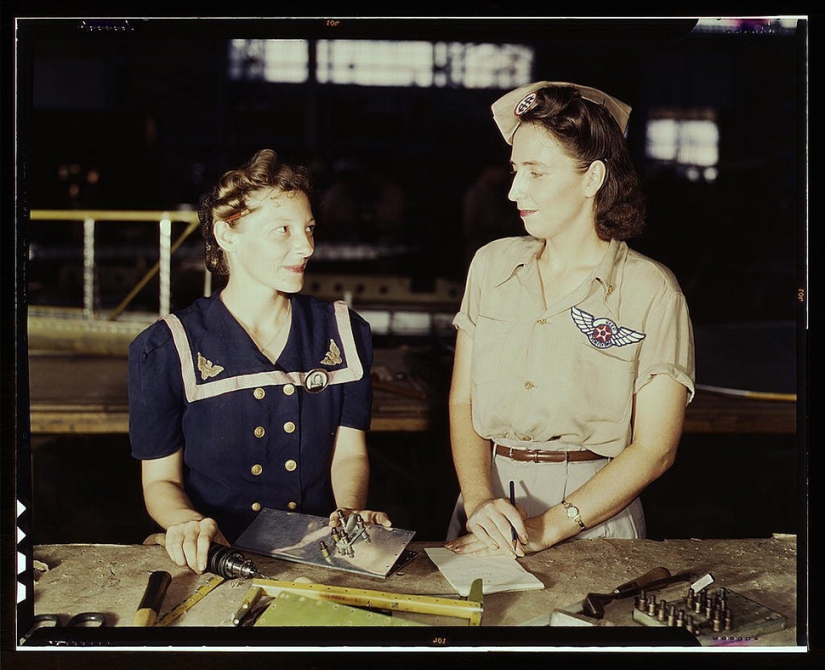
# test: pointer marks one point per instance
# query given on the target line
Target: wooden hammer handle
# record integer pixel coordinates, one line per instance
(152, 600)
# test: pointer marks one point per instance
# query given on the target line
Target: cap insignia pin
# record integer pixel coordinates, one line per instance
(525, 104)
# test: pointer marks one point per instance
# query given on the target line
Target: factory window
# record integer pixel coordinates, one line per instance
(382, 63)
(269, 60)
(687, 141)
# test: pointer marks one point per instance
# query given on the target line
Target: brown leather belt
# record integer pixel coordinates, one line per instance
(541, 456)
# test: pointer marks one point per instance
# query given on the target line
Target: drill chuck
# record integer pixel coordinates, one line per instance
(230, 563)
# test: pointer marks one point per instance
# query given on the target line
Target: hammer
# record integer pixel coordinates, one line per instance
(583, 612)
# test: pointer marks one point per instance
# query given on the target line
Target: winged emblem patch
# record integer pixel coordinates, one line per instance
(333, 356)
(603, 332)
(208, 368)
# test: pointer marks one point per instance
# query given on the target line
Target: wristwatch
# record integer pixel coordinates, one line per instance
(573, 513)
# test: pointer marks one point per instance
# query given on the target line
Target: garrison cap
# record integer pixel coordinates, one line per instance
(508, 109)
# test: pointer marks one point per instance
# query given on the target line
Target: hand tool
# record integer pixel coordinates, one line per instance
(470, 609)
(84, 619)
(222, 560)
(152, 600)
(589, 611)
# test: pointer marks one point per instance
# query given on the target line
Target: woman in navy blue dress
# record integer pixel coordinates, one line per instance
(254, 397)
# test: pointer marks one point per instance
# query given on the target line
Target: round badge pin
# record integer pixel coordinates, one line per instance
(316, 380)
(525, 103)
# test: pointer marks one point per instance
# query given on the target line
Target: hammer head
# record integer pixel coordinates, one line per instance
(593, 604)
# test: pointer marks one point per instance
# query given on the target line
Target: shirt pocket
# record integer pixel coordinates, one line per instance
(604, 386)
(488, 344)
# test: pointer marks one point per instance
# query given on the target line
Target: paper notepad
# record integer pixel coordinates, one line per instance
(498, 573)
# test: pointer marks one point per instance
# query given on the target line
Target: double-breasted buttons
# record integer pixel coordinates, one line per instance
(256, 469)
(259, 431)
(289, 389)
(259, 393)
(290, 465)
(289, 427)
(256, 507)
(292, 505)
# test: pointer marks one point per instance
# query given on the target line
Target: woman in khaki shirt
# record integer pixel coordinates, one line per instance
(574, 354)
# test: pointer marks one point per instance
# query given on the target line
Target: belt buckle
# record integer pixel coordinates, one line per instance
(511, 453)
(535, 453)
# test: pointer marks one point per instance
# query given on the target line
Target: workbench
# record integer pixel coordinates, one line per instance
(68, 579)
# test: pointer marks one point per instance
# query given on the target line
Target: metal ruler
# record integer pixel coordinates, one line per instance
(471, 609)
(196, 597)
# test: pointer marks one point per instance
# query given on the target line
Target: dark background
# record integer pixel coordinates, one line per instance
(151, 109)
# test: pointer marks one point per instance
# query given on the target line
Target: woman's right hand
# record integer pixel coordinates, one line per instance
(188, 543)
(493, 522)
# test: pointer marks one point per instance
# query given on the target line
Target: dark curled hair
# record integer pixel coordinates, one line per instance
(228, 199)
(588, 132)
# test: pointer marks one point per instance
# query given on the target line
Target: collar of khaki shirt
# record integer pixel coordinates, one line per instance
(605, 272)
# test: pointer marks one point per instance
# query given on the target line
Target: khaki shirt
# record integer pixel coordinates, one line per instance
(569, 372)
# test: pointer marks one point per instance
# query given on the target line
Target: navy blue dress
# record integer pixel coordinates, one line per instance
(254, 434)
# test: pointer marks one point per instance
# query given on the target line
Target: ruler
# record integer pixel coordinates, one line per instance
(196, 597)
(471, 609)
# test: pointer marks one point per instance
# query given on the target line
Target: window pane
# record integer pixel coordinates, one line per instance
(375, 63)
(269, 60)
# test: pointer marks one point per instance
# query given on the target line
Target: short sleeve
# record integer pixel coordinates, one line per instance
(156, 397)
(467, 315)
(357, 409)
(668, 346)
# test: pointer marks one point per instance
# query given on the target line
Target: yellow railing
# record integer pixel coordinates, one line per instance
(163, 219)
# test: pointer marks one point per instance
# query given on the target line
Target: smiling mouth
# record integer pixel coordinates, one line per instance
(525, 212)
(295, 268)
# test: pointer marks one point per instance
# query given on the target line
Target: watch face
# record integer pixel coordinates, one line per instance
(572, 511)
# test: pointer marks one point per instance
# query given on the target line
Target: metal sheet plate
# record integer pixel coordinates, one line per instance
(297, 537)
(291, 609)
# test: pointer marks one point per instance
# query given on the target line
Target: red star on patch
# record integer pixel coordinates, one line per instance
(602, 333)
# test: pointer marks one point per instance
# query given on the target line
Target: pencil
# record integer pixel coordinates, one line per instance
(513, 503)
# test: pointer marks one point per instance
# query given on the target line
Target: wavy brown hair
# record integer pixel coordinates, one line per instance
(588, 132)
(227, 200)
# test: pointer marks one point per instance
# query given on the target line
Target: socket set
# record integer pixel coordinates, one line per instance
(718, 617)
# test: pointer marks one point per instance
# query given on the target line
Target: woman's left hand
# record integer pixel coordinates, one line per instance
(369, 516)
(470, 544)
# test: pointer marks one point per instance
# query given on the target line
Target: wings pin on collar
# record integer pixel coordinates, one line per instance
(208, 368)
(333, 356)
(603, 332)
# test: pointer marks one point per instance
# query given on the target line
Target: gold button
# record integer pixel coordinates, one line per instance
(609, 289)
(256, 507)
(289, 389)
(256, 469)
(259, 393)
(528, 385)
(541, 322)
(289, 427)
(259, 431)
(292, 505)
(290, 465)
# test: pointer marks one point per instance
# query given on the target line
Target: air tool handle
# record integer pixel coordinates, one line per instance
(222, 561)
